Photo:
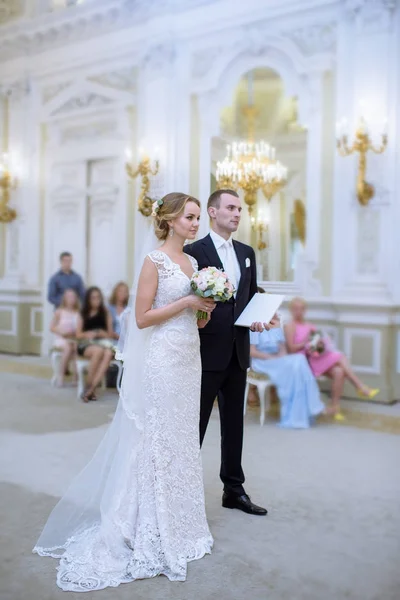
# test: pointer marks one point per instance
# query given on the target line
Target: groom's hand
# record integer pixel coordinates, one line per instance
(259, 327)
(201, 323)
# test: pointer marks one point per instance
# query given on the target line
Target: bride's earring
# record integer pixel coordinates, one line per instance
(171, 232)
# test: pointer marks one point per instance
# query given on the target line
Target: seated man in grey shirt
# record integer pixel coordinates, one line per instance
(65, 279)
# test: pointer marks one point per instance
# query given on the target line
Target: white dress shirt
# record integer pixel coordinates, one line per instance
(227, 255)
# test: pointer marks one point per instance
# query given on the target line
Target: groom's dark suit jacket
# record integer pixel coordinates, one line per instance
(220, 338)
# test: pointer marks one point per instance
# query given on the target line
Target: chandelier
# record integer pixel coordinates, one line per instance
(251, 166)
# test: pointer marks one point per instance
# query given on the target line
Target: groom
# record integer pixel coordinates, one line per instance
(225, 349)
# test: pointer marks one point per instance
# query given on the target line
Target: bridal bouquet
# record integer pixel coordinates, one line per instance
(316, 344)
(213, 284)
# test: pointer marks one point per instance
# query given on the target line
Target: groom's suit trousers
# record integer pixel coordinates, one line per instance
(229, 386)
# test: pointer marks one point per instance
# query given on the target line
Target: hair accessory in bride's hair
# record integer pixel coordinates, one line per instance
(156, 207)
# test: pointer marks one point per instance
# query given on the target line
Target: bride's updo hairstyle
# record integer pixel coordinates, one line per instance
(167, 209)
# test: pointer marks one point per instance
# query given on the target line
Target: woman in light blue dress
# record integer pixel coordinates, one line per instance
(291, 375)
(117, 306)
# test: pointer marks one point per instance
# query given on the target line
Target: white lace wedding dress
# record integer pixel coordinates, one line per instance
(145, 514)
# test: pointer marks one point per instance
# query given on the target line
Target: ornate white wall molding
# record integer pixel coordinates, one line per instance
(84, 95)
(65, 192)
(315, 39)
(15, 90)
(84, 100)
(120, 79)
(16, 297)
(299, 74)
(309, 48)
(95, 129)
(158, 59)
(88, 20)
(53, 90)
(373, 334)
(99, 191)
(32, 322)
(398, 352)
(371, 16)
(12, 310)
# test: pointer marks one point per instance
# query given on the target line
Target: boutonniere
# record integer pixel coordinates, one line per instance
(247, 263)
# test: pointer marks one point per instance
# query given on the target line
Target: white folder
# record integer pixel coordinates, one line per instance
(260, 309)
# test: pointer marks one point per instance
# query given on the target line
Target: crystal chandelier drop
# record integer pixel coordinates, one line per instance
(251, 165)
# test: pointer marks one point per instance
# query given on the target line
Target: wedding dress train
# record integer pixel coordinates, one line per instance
(137, 510)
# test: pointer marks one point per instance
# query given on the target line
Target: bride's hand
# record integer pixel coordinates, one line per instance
(198, 303)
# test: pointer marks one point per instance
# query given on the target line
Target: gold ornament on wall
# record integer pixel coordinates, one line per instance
(260, 225)
(362, 145)
(145, 169)
(8, 180)
(7, 183)
(300, 219)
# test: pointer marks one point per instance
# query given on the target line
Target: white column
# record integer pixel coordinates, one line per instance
(314, 170)
(156, 127)
(180, 115)
(363, 237)
(209, 126)
(391, 253)
(18, 105)
(30, 199)
(3, 126)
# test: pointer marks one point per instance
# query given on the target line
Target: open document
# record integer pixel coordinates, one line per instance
(261, 308)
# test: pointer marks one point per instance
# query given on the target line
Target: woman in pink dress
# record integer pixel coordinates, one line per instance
(64, 325)
(329, 363)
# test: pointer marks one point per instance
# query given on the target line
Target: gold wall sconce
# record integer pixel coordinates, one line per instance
(146, 168)
(8, 182)
(362, 144)
(260, 225)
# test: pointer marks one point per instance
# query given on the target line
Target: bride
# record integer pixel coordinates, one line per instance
(137, 509)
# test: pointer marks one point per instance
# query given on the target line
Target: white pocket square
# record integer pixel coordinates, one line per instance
(247, 263)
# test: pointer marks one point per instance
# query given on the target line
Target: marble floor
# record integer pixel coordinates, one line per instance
(333, 529)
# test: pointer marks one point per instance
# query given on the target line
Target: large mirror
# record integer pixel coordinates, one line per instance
(274, 226)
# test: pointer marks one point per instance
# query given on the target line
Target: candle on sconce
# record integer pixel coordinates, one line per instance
(362, 126)
(250, 89)
(341, 128)
(128, 155)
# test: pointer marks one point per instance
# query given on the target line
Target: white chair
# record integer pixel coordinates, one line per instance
(82, 365)
(55, 356)
(262, 384)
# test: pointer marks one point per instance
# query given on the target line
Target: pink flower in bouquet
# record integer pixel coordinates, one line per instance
(202, 285)
(213, 284)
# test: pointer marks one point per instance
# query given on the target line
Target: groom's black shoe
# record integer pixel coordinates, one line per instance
(242, 503)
